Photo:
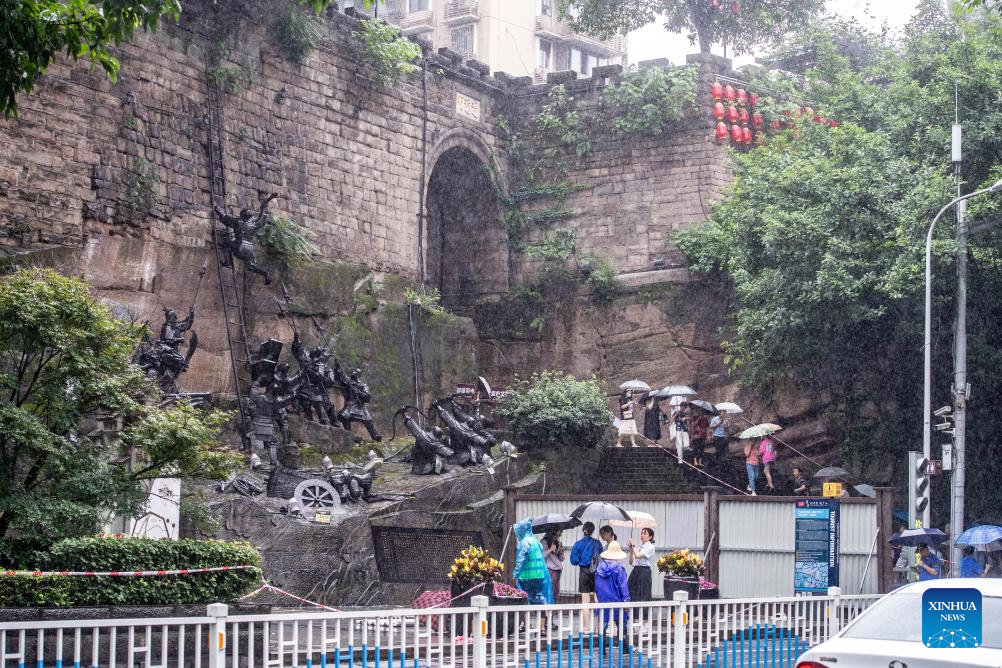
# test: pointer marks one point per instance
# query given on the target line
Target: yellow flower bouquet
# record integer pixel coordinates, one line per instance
(475, 565)
(681, 563)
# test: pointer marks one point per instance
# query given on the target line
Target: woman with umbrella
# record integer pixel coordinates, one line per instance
(627, 404)
(652, 416)
(641, 557)
(553, 553)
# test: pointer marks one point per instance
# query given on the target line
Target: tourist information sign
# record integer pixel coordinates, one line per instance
(816, 545)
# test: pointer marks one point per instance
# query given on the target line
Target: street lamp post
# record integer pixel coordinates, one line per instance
(957, 509)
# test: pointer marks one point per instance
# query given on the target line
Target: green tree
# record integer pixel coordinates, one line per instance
(822, 237)
(754, 22)
(64, 360)
(34, 32)
(556, 410)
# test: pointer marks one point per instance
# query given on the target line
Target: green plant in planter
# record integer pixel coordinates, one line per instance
(553, 409)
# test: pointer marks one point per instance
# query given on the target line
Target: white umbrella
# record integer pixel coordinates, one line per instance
(676, 391)
(638, 520)
(760, 430)
(729, 408)
(635, 385)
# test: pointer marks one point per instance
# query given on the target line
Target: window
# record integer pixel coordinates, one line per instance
(417, 5)
(576, 60)
(561, 59)
(592, 64)
(461, 40)
(543, 56)
(546, 7)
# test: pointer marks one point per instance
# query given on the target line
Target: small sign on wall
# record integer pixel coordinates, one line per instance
(467, 106)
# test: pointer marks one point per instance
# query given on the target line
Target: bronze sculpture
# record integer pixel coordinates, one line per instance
(356, 396)
(429, 452)
(239, 242)
(162, 359)
(313, 396)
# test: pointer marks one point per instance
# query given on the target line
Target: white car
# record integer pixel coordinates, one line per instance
(889, 633)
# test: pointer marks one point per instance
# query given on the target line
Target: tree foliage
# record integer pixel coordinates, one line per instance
(556, 410)
(756, 22)
(822, 238)
(64, 361)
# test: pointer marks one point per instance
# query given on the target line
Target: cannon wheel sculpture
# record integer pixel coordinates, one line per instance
(316, 493)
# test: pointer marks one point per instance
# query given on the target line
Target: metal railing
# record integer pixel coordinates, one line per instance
(658, 634)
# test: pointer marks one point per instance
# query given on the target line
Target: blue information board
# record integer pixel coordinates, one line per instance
(816, 542)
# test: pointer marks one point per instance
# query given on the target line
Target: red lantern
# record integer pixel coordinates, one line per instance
(732, 114)
(833, 123)
(743, 117)
(742, 95)
(717, 90)
(715, 4)
(729, 93)
(753, 100)
(757, 120)
(800, 112)
(809, 113)
(719, 111)
(776, 125)
(820, 118)
(746, 135)
(722, 131)
(736, 134)
(735, 8)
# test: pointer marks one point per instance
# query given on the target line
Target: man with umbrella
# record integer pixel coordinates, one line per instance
(930, 567)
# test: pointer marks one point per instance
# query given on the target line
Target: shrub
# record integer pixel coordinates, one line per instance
(299, 33)
(556, 410)
(289, 242)
(386, 51)
(653, 100)
(133, 554)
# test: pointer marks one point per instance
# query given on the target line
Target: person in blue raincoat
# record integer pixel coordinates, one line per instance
(530, 573)
(611, 585)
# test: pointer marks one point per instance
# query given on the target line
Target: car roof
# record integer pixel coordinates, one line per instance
(987, 586)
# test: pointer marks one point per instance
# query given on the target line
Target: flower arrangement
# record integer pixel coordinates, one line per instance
(473, 565)
(502, 590)
(681, 563)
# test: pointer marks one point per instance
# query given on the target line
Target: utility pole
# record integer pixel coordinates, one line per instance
(959, 362)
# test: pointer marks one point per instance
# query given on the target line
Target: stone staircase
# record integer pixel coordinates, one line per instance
(643, 471)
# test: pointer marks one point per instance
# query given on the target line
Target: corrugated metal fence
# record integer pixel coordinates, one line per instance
(750, 538)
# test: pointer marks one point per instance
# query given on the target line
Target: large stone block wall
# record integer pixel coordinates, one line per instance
(90, 157)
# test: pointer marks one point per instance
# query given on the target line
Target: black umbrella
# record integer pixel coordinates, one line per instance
(704, 405)
(832, 472)
(596, 511)
(554, 522)
(916, 537)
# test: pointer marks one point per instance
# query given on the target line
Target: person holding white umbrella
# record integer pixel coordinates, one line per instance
(627, 422)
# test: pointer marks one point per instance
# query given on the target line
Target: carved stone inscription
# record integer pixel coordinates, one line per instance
(418, 555)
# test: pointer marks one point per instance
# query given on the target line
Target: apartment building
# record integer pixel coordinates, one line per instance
(520, 37)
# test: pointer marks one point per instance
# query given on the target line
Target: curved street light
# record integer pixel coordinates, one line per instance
(927, 386)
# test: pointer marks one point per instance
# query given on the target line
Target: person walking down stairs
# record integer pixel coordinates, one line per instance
(751, 465)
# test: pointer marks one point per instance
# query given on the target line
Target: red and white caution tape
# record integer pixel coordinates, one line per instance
(272, 588)
(134, 574)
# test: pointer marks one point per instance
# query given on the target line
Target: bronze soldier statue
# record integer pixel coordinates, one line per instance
(356, 396)
(240, 243)
(314, 393)
(429, 452)
(268, 408)
(162, 359)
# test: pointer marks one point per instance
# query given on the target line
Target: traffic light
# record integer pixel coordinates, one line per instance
(921, 483)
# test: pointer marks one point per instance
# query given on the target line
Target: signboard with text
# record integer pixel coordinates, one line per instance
(816, 545)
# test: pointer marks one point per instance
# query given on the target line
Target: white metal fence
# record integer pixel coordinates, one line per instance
(665, 634)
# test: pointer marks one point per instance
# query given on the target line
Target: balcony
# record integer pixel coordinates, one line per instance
(553, 29)
(458, 12)
(413, 23)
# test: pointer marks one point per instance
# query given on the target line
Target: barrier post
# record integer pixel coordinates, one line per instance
(217, 634)
(480, 632)
(834, 613)
(680, 619)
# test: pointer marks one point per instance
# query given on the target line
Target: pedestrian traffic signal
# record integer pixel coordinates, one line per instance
(921, 483)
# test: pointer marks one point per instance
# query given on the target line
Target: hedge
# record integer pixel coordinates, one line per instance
(135, 554)
(556, 410)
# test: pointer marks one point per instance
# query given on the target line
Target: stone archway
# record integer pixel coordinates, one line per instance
(466, 251)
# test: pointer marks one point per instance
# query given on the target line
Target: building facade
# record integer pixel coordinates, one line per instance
(520, 37)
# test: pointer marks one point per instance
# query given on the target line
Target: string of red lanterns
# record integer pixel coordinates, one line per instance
(740, 122)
